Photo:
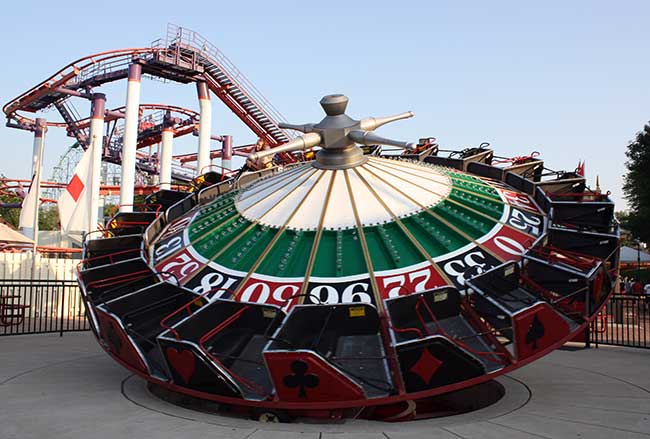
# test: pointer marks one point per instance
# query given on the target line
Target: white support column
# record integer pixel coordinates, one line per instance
(39, 137)
(40, 127)
(97, 110)
(35, 153)
(226, 153)
(130, 141)
(167, 145)
(205, 128)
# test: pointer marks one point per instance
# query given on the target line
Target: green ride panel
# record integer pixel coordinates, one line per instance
(245, 250)
(491, 208)
(435, 237)
(390, 247)
(339, 254)
(289, 255)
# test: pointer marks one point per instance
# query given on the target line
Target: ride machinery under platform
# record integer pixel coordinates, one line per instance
(352, 285)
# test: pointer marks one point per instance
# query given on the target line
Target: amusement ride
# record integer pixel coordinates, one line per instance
(326, 278)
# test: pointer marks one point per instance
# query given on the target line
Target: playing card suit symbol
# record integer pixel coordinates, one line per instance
(535, 332)
(300, 378)
(183, 362)
(426, 366)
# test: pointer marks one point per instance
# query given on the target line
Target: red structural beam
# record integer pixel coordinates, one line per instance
(118, 113)
(61, 78)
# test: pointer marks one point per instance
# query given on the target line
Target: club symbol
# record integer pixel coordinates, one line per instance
(301, 378)
(535, 332)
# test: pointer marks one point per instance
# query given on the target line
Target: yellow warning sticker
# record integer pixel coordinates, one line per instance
(357, 311)
(439, 297)
(268, 313)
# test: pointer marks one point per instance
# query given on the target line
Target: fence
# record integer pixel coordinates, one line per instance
(625, 321)
(19, 266)
(30, 306)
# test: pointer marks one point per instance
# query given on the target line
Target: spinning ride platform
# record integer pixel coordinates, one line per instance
(354, 284)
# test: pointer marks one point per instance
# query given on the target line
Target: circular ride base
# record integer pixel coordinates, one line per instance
(449, 404)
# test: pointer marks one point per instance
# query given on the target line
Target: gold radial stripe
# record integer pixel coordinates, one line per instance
(364, 247)
(404, 229)
(246, 230)
(400, 168)
(276, 237)
(443, 198)
(439, 218)
(314, 247)
(281, 177)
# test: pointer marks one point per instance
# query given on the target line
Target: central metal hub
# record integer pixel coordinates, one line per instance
(339, 151)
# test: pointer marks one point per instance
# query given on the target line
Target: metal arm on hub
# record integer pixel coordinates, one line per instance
(338, 135)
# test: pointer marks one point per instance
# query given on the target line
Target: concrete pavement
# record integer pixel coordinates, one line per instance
(52, 387)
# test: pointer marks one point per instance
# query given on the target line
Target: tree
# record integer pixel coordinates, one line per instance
(48, 218)
(636, 187)
(10, 215)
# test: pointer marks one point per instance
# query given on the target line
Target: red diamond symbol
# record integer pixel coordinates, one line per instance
(75, 187)
(426, 366)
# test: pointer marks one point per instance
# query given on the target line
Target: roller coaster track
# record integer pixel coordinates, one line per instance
(182, 56)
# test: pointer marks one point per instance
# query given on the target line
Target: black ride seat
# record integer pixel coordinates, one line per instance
(345, 335)
(110, 281)
(235, 333)
(130, 223)
(164, 199)
(438, 312)
(98, 252)
(141, 313)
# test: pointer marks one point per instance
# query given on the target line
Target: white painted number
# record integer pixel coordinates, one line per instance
(168, 248)
(523, 222)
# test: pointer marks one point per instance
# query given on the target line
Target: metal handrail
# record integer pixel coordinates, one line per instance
(180, 36)
(163, 322)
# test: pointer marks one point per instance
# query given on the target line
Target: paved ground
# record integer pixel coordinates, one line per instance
(53, 387)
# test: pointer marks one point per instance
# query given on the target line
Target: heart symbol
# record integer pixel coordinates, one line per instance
(183, 363)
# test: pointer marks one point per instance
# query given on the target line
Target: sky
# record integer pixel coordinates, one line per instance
(567, 79)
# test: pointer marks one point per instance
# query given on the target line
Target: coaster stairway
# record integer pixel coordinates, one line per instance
(183, 47)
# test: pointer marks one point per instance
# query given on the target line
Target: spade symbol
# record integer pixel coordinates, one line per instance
(535, 332)
(301, 378)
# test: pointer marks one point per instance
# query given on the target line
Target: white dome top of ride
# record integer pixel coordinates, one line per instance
(378, 191)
